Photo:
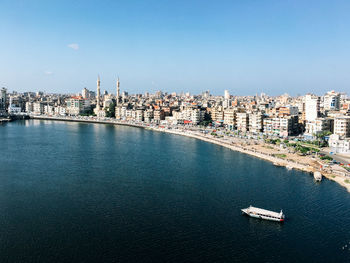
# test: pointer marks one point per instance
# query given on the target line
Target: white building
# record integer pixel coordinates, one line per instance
(12, 108)
(339, 145)
(171, 120)
(128, 114)
(197, 116)
(242, 119)
(139, 114)
(190, 114)
(226, 104)
(230, 118)
(288, 126)
(331, 100)
(312, 107)
(3, 94)
(267, 126)
(61, 111)
(100, 113)
(49, 110)
(29, 107)
(317, 126)
(342, 126)
(281, 126)
(77, 105)
(227, 95)
(38, 108)
(217, 114)
(122, 112)
(179, 116)
(148, 115)
(255, 122)
(118, 112)
(85, 93)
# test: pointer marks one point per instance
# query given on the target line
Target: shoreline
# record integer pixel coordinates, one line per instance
(258, 154)
(276, 161)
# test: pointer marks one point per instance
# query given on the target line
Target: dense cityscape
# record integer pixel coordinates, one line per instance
(310, 117)
(175, 131)
(310, 133)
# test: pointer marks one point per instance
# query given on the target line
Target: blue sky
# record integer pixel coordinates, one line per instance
(244, 46)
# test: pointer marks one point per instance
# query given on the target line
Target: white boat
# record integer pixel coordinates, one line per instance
(318, 176)
(277, 164)
(263, 214)
(289, 167)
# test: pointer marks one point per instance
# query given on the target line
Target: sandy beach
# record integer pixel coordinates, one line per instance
(294, 161)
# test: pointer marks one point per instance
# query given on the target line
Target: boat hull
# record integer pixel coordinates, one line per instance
(318, 176)
(246, 212)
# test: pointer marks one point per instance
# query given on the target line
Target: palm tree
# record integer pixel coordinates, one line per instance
(321, 136)
(325, 134)
(318, 136)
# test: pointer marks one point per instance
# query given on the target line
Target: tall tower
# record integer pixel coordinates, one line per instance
(10, 105)
(118, 92)
(227, 95)
(3, 98)
(98, 107)
(312, 107)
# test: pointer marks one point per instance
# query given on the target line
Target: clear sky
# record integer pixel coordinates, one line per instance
(244, 46)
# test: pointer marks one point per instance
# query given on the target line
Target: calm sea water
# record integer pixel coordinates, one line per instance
(73, 192)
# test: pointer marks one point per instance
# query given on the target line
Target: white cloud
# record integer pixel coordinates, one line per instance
(48, 72)
(74, 46)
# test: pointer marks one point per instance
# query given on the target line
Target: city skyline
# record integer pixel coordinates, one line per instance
(175, 131)
(246, 48)
(113, 91)
(117, 91)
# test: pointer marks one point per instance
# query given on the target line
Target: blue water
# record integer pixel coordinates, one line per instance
(72, 192)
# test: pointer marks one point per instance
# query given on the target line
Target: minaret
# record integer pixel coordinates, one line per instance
(118, 91)
(98, 107)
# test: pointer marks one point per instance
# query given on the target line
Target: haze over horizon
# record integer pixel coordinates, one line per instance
(246, 47)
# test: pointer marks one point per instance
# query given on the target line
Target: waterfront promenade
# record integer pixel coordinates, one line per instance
(254, 148)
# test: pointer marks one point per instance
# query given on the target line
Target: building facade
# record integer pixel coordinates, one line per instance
(342, 126)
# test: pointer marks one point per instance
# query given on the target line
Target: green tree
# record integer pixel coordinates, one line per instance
(205, 123)
(89, 112)
(110, 110)
(321, 138)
